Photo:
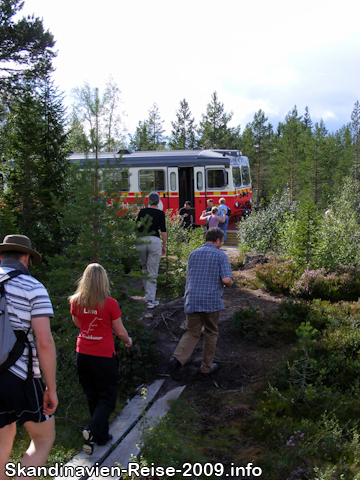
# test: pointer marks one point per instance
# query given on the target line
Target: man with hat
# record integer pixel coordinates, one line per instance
(186, 214)
(25, 398)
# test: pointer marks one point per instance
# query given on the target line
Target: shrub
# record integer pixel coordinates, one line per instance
(278, 275)
(266, 328)
(260, 231)
(136, 364)
(338, 235)
(343, 284)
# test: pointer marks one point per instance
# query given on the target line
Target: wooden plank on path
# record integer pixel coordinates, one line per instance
(122, 424)
(121, 456)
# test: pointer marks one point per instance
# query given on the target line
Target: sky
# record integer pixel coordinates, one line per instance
(269, 55)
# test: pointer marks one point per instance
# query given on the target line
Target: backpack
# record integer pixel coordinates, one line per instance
(12, 342)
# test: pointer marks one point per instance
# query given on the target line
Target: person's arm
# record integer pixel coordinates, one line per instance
(164, 239)
(47, 358)
(222, 219)
(227, 281)
(76, 321)
(191, 219)
(121, 332)
(204, 215)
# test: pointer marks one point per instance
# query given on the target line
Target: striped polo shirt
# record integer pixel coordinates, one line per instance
(26, 299)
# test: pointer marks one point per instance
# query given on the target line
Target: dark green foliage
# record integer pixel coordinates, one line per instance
(343, 284)
(214, 130)
(25, 48)
(278, 275)
(270, 327)
(308, 415)
(300, 233)
(256, 143)
(149, 134)
(261, 231)
(136, 364)
(37, 166)
(183, 134)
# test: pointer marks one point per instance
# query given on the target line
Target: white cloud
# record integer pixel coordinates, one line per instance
(268, 55)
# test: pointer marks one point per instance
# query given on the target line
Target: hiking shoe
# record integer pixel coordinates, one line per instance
(174, 369)
(214, 369)
(88, 446)
(152, 304)
(110, 437)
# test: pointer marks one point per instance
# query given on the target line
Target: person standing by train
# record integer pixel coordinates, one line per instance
(186, 214)
(210, 204)
(212, 217)
(223, 211)
(151, 223)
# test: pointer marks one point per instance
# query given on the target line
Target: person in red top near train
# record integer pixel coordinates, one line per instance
(97, 315)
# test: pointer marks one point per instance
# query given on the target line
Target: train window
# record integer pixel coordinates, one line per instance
(215, 178)
(121, 180)
(173, 181)
(245, 174)
(199, 181)
(151, 180)
(237, 176)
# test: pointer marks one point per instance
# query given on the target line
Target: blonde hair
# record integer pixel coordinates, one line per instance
(93, 288)
(222, 200)
(214, 210)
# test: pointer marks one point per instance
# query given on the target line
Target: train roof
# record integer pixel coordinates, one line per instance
(157, 158)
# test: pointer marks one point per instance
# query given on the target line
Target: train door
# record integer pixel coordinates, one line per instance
(200, 196)
(173, 189)
(186, 185)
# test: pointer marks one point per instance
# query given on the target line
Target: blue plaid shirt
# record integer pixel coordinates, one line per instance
(206, 267)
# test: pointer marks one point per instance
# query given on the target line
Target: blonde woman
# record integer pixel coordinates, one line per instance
(212, 217)
(97, 315)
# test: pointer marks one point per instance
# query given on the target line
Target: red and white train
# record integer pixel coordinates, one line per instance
(181, 175)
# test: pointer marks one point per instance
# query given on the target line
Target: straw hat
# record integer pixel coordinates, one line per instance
(20, 243)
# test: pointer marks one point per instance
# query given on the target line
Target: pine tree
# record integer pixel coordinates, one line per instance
(262, 135)
(38, 179)
(307, 122)
(141, 140)
(214, 130)
(290, 152)
(355, 128)
(154, 124)
(314, 169)
(25, 48)
(183, 135)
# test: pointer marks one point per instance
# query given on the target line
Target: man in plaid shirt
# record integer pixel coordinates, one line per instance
(208, 271)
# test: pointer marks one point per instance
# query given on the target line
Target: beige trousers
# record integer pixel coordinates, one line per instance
(194, 322)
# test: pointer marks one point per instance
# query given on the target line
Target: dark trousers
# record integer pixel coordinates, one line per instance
(99, 378)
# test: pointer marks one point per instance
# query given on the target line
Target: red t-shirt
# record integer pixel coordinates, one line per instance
(96, 334)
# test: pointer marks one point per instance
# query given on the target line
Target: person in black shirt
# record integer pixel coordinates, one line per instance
(186, 214)
(151, 223)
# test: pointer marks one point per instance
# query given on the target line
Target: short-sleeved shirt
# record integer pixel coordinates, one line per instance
(156, 219)
(186, 220)
(206, 268)
(26, 299)
(96, 334)
(223, 208)
(213, 220)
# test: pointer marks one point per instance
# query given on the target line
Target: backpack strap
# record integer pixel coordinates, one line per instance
(6, 277)
(20, 334)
